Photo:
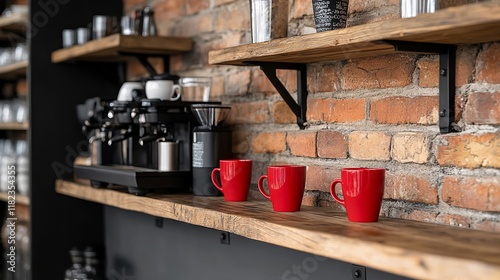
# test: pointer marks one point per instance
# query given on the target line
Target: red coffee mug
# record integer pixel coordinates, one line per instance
(286, 185)
(363, 189)
(235, 176)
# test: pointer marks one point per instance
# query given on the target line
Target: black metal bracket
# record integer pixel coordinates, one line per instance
(447, 62)
(358, 272)
(299, 108)
(225, 238)
(143, 59)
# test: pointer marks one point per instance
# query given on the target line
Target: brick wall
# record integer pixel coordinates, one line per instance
(372, 112)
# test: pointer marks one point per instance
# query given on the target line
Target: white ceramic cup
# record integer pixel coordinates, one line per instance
(125, 93)
(163, 90)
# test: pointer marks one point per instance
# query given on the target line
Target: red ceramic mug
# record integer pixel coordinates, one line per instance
(363, 189)
(235, 176)
(286, 185)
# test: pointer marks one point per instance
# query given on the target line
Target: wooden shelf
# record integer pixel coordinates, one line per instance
(14, 126)
(409, 248)
(112, 48)
(20, 199)
(15, 23)
(14, 70)
(468, 24)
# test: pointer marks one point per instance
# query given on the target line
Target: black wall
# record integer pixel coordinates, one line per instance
(137, 247)
(59, 222)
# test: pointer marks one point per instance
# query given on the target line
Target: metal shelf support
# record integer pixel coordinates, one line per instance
(299, 108)
(447, 63)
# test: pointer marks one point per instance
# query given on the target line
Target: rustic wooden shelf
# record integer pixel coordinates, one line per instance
(113, 48)
(20, 199)
(409, 248)
(13, 71)
(467, 24)
(14, 126)
(15, 23)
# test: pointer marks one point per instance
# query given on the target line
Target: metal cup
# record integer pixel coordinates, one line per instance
(102, 26)
(128, 25)
(68, 38)
(82, 35)
(168, 155)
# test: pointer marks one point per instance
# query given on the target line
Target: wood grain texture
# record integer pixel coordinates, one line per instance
(112, 47)
(14, 126)
(468, 24)
(14, 70)
(16, 22)
(20, 199)
(409, 248)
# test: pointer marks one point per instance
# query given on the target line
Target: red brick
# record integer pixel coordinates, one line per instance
(323, 77)
(478, 193)
(410, 188)
(222, 2)
(429, 216)
(491, 226)
(332, 144)
(282, 113)
(488, 64)
(320, 177)
(405, 110)
(347, 110)
(241, 143)
(301, 8)
(167, 11)
(217, 88)
(260, 83)
(483, 108)
(336, 110)
(428, 72)
(194, 26)
(136, 70)
(128, 5)
(234, 18)
(377, 72)
(302, 143)
(318, 110)
(237, 83)
(369, 145)
(429, 69)
(470, 150)
(411, 147)
(309, 199)
(268, 142)
(195, 6)
(249, 113)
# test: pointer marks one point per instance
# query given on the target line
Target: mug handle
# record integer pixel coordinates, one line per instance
(177, 91)
(261, 187)
(214, 179)
(332, 191)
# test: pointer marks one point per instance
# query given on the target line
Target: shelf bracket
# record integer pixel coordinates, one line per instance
(143, 59)
(447, 63)
(299, 108)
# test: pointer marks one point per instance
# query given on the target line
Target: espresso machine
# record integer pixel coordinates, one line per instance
(212, 141)
(145, 146)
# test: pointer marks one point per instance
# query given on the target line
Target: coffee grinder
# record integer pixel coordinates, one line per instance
(212, 141)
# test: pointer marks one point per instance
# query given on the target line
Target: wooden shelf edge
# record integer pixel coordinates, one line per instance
(412, 249)
(16, 22)
(467, 24)
(20, 199)
(14, 126)
(111, 47)
(14, 70)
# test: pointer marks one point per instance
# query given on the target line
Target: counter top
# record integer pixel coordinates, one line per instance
(409, 248)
